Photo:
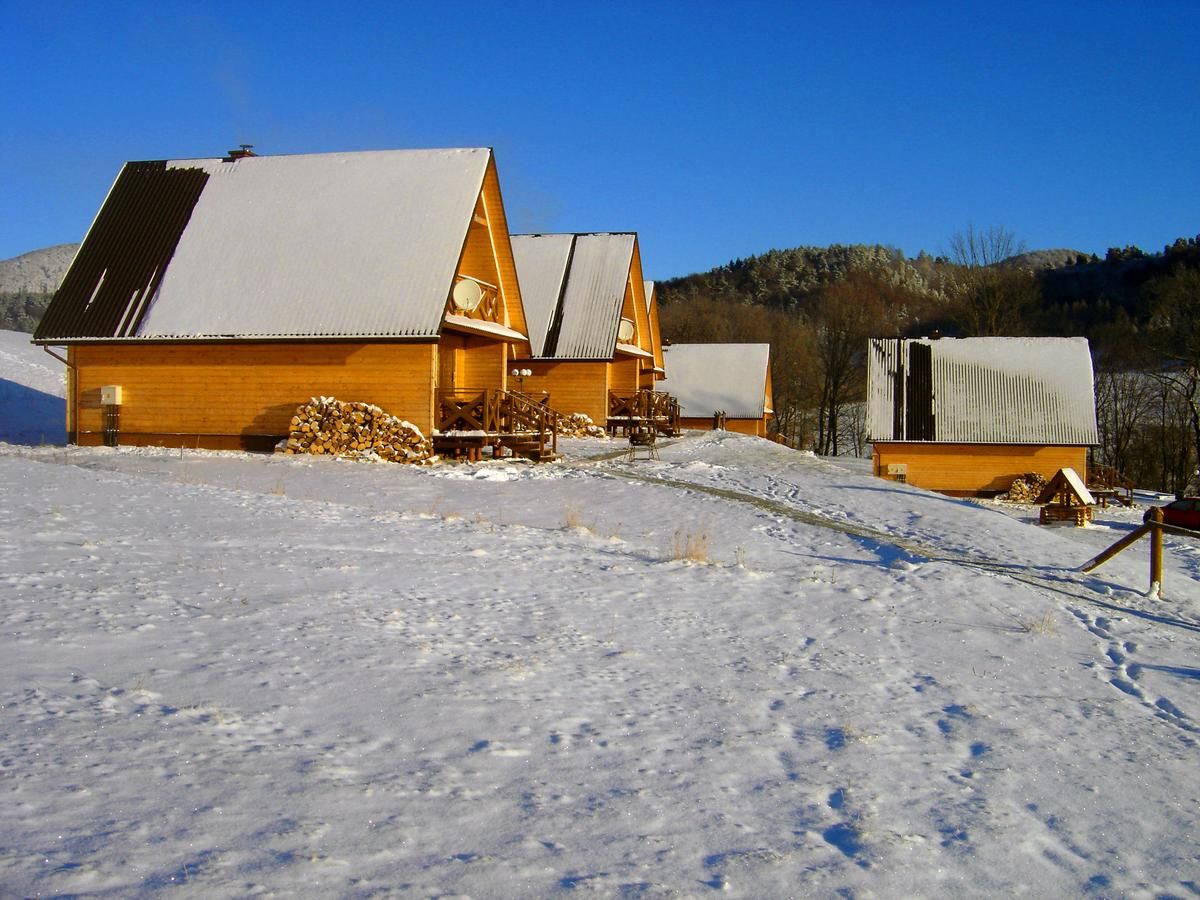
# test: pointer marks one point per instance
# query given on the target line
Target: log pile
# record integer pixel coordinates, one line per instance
(579, 425)
(1027, 488)
(325, 426)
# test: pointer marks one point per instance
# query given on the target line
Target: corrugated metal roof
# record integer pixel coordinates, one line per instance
(322, 245)
(981, 390)
(121, 262)
(591, 307)
(541, 261)
(582, 323)
(706, 378)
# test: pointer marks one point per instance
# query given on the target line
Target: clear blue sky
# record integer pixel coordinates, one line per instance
(714, 129)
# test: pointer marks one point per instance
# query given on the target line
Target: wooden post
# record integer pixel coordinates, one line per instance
(1156, 552)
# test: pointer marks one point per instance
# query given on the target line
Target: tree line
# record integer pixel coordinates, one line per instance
(817, 306)
(22, 310)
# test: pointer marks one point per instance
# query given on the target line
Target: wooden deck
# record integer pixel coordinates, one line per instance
(470, 420)
(643, 409)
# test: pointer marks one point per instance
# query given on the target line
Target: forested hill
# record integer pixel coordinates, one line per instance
(817, 306)
(28, 281)
(1047, 292)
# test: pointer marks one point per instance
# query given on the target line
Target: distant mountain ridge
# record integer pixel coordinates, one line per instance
(36, 272)
(28, 281)
(1048, 259)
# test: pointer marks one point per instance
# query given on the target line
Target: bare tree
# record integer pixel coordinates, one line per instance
(1177, 318)
(846, 314)
(1123, 402)
(985, 247)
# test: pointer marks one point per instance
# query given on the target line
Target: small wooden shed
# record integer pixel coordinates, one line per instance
(211, 297)
(967, 416)
(1066, 498)
(721, 385)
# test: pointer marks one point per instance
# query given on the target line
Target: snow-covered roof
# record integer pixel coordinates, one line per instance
(705, 378)
(542, 261)
(981, 390)
(329, 245)
(573, 287)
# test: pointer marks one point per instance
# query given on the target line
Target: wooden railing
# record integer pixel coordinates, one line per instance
(1155, 527)
(654, 408)
(1107, 483)
(499, 418)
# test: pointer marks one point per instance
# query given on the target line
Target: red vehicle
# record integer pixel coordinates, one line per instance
(1185, 513)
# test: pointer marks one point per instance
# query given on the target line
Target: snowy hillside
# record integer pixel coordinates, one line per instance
(37, 271)
(226, 675)
(32, 387)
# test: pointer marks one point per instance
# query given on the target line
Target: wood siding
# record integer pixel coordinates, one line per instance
(969, 469)
(506, 267)
(573, 386)
(230, 395)
(478, 362)
(478, 260)
(623, 375)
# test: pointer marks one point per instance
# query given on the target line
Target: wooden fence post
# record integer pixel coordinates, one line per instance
(1156, 552)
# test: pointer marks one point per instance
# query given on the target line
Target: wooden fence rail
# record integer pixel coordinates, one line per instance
(1155, 527)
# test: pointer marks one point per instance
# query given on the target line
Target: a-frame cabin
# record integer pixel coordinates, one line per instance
(591, 336)
(211, 297)
(726, 386)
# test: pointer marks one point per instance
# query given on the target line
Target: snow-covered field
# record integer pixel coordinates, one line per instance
(227, 675)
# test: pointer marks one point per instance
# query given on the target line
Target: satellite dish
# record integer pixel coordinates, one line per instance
(625, 331)
(466, 296)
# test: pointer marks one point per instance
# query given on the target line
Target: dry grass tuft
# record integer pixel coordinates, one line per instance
(691, 546)
(1046, 626)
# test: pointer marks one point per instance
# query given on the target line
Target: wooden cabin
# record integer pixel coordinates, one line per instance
(211, 297)
(725, 386)
(967, 416)
(591, 335)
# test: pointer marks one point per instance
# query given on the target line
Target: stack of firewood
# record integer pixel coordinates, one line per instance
(327, 426)
(579, 425)
(1027, 488)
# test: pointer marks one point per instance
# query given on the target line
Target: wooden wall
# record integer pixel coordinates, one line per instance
(493, 206)
(623, 375)
(478, 260)
(969, 469)
(242, 394)
(573, 386)
(479, 361)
